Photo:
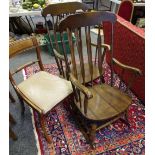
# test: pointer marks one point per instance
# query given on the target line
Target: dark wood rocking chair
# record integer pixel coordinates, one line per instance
(95, 102)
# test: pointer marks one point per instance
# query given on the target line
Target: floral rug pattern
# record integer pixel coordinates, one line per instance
(116, 138)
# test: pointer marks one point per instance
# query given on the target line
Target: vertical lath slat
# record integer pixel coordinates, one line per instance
(63, 73)
(56, 43)
(79, 47)
(99, 54)
(56, 40)
(89, 51)
(112, 42)
(48, 31)
(85, 105)
(65, 54)
(72, 53)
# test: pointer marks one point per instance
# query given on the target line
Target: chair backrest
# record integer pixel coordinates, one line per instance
(61, 10)
(80, 25)
(125, 9)
(57, 12)
(20, 46)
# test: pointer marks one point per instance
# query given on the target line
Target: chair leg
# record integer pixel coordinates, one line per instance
(92, 134)
(11, 97)
(22, 105)
(12, 134)
(11, 119)
(42, 120)
(125, 120)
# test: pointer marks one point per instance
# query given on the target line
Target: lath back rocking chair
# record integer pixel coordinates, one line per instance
(94, 102)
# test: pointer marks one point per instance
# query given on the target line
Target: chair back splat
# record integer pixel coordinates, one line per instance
(94, 100)
(75, 24)
(57, 12)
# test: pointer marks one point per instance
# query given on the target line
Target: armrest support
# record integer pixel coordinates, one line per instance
(136, 72)
(133, 69)
(81, 87)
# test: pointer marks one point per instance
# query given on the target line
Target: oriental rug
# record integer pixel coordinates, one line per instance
(116, 138)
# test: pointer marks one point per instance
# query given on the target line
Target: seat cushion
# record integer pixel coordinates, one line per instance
(45, 90)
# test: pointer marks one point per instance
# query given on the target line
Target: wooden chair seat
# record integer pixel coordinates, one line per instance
(96, 73)
(107, 102)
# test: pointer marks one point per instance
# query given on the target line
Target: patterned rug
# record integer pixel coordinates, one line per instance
(117, 138)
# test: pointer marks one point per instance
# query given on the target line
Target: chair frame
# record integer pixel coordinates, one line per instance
(74, 23)
(15, 48)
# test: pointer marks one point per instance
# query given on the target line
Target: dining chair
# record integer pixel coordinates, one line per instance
(42, 91)
(96, 104)
(58, 12)
(125, 10)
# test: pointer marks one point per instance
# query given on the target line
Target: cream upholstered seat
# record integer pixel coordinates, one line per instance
(45, 90)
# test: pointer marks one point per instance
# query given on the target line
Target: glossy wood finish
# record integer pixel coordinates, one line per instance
(96, 102)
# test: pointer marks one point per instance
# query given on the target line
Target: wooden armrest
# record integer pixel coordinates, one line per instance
(135, 70)
(102, 45)
(23, 66)
(81, 87)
